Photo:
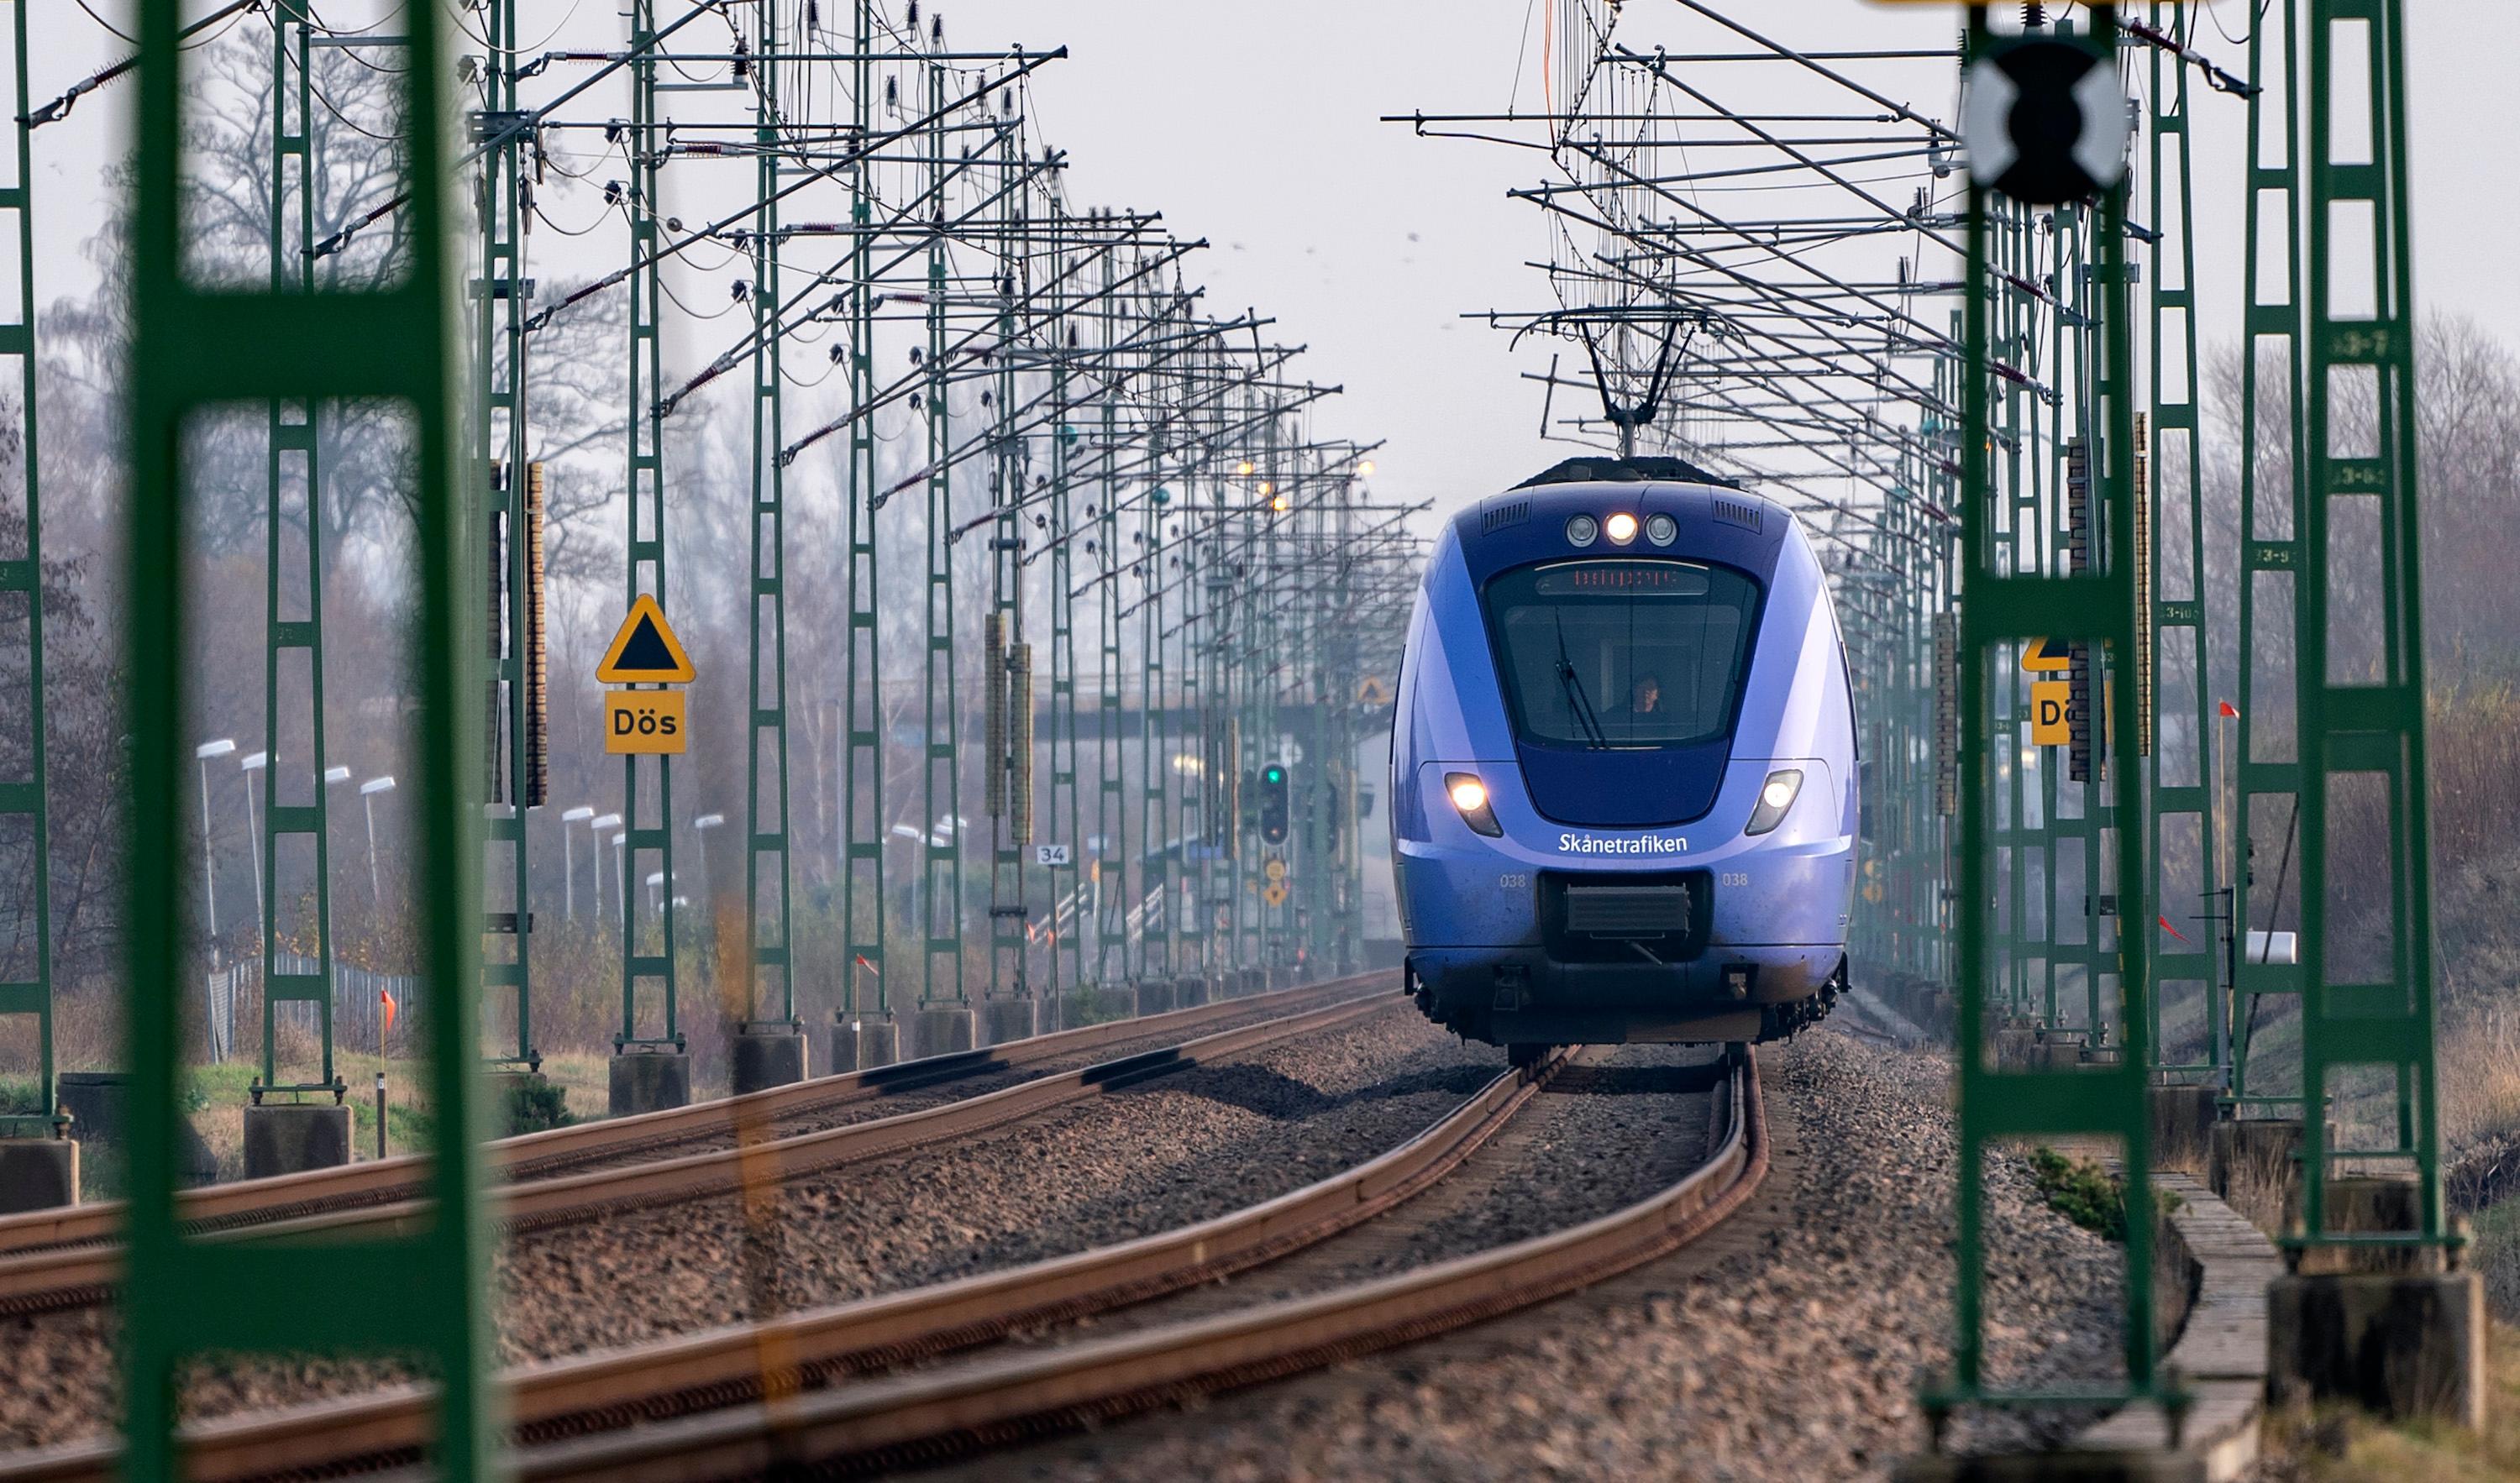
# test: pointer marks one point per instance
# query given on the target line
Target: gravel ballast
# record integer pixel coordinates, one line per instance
(1798, 1356)
(1181, 1147)
(1621, 1124)
(897, 1101)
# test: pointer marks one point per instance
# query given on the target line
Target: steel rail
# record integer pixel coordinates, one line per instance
(557, 1400)
(76, 1275)
(906, 1419)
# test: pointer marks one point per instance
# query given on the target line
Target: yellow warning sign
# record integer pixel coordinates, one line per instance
(1276, 894)
(645, 650)
(644, 723)
(2046, 657)
(1274, 870)
(1371, 691)
(2047, 701)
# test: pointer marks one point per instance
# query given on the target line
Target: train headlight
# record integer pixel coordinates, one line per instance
(1776, 797)
(1580, 531)
(1621, 528)
(1661, 529)
(1471, 801)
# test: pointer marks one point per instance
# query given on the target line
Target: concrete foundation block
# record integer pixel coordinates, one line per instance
(650, 1080)
(862, 1045)
(1154, 997)
(2014, 1044)
(292, 1138)
(2132, 1465)
(2402, 1346)
(99, 1102)
(2183, 1119)
(1190, 992)
(1006, 1020)
(38, 1174)
(941, 1030)
(766, 1056)
(2060, 1050)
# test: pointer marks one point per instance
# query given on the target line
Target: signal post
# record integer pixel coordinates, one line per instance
(643, 668)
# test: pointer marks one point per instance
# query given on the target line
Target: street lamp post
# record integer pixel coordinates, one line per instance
(368, 792)
(568, 863)
(594, 829)
(254, 763)
(702, 826)
(203, 754)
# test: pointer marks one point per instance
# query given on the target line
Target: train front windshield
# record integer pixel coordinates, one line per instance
(1622, 654)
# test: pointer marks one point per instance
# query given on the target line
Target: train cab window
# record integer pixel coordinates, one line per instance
(1617, 653)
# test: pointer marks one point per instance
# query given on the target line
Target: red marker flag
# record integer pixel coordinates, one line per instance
(2172, 931)
(870, 968)
(2229, 710)
(386, 997)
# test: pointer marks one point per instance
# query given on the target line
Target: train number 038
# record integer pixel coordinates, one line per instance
(1731, 878)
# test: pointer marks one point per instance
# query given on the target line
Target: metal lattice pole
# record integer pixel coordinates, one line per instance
(2275, 471)
(2361, 685)
(192, 347)
(512, 692)
(294, 626)
(2181, 800)
(27, 798)
(651, 830)
(862, 895)
(768, 928)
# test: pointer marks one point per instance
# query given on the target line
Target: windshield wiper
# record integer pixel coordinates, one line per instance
(1578, 705)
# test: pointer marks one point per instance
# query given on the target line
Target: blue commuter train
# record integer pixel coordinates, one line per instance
(1624, 766)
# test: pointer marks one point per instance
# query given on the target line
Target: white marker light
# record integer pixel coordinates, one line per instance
(1469, 798)
(1582, 529)
(1776, 797)
(1661, 529)
(1621, 528)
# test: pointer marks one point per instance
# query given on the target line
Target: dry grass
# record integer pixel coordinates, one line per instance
(2336, 1445)
(2264, 1189)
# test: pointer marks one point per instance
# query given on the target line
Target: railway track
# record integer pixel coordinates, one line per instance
(747, 1398)
(71, 1258)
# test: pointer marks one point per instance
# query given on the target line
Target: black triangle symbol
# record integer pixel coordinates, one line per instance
(645, 650)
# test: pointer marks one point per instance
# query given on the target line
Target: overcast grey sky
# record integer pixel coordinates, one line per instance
(1254, 126)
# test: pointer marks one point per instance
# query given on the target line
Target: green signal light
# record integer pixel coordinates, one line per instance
(1274, 774)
